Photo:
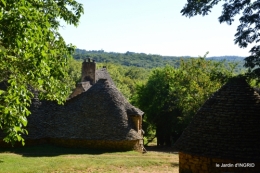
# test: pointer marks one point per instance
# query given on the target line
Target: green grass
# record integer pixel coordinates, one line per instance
(48, 158)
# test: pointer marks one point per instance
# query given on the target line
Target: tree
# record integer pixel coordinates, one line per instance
(33, 55)
(247, 31)
(74, 72)
(172, 96)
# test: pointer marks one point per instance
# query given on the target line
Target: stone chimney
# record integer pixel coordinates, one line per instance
(88, 71)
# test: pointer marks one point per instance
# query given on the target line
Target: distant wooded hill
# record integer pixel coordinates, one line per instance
(227, 58)
(145, 60)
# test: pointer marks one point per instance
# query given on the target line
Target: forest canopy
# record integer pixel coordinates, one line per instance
(148, 60)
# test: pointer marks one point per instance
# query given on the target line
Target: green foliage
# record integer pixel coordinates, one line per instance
(32, 54)
(172, 96)
(74, 72)
(247, 31)
(254, 83)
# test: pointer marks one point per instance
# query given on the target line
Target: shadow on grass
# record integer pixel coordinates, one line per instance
(1, 161)
(161, 149)
(50, 150)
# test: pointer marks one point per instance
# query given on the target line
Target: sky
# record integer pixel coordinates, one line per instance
(151, 27)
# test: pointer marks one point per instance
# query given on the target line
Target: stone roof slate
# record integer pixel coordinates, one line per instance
(100, 113)
(227, 125)
(103, 74)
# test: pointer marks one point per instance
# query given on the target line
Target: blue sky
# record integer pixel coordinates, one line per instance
(151, 27)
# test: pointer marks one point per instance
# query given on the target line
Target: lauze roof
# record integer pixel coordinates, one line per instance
(227, 125)
(100, 113)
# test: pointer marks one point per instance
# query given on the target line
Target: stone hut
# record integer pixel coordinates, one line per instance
(224, 134)
(99, 117)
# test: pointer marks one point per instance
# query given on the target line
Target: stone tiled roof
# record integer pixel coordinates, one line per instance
(103, 74)
(227, 125)
(100, 113)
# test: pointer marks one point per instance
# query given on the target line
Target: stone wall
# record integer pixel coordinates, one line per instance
(199, 164)
(88, 72)
(80, 88)
(77, 143)
(136, 121)
(97, 144)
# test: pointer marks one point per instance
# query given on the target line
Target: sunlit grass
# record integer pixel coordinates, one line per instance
(58, 159)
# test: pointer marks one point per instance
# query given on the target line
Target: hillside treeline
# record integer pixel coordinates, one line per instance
(148, 60)
(126, 59)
